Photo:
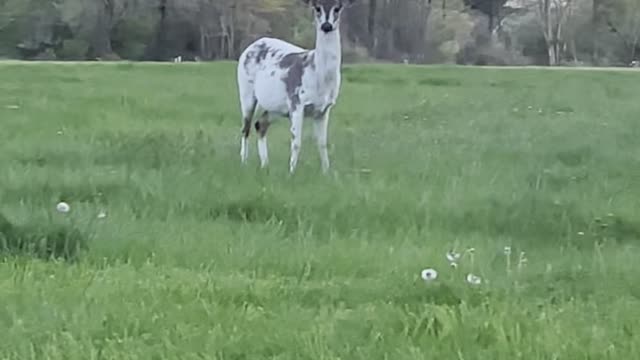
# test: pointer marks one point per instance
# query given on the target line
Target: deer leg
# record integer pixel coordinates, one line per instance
(247, 116)
(262, 125)
(244, 144)
(320, 131)
(296, 117)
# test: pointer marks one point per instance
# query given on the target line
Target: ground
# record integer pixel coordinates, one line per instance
(201, 258)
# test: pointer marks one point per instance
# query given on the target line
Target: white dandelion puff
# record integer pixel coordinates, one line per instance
(102, 215)
(63, 207)
(454, 265)
(429, 274)
(507, 250)
(507, 254)
(473, 279)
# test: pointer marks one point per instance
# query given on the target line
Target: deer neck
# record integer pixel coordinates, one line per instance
(328, 54)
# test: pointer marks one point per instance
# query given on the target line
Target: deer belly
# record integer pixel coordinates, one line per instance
(271, 94)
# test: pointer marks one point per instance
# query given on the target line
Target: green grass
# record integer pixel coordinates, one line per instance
(200, 258)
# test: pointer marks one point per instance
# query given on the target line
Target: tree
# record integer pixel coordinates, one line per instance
(552, 15)
(94, 21)
(491, 8)
(625, 23)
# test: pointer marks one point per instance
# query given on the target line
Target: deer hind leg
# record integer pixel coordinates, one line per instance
(248, 108)
(262, 125)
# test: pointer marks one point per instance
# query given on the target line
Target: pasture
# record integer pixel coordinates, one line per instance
(196, 257)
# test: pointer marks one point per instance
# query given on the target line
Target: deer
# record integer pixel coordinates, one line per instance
(280, 79)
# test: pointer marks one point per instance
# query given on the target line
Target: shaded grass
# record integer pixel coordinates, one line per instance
(199, 257)
(43, 240)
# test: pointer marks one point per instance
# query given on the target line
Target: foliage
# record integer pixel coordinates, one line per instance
(419, 31)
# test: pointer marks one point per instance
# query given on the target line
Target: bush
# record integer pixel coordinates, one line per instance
(73, 49)
(491, 54)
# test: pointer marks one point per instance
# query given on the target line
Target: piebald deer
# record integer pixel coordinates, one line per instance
(276, 78)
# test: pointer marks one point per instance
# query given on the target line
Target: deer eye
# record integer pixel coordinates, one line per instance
(318, 9)
(337, 9)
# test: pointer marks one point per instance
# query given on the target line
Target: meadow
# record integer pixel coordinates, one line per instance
(532, 176)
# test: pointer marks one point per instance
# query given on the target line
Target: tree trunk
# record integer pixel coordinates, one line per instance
(388, 28)
(223, 47)
(551, 50)
(491, 16)
(595, 24)
(101, 38)
(425, 12)
(155, 50)
(371, 25)
(232, 33)
(574, 52)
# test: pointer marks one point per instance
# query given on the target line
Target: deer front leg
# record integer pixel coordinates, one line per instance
(262, 126)
(321, 125)
(296, 117)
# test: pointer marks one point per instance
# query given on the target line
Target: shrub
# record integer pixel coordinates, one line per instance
(73, 49)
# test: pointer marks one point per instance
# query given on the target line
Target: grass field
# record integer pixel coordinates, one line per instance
(200, 258)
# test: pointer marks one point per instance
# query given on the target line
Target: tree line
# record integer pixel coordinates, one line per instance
(494, 32)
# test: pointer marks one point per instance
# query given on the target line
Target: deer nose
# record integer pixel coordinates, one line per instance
(326, 27)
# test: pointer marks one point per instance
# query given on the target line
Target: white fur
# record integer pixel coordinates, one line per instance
(262, 88)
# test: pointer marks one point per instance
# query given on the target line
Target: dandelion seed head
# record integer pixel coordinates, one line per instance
(507, 250)
(473, 279)
(429, 274)
(63, 207)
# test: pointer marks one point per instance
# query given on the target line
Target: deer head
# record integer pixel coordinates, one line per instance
(327, 13)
